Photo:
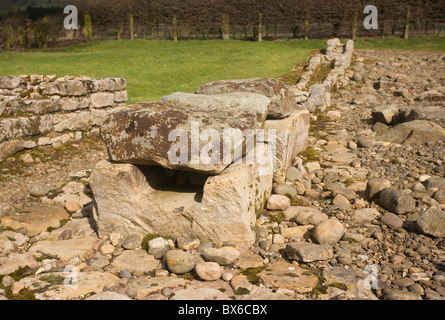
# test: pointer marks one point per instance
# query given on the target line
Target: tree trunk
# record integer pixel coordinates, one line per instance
(131, 27)
(408, 18)
(260, 27)
(28, 35)
(306, 27)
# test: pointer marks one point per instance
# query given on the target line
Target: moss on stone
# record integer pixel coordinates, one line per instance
(252, 275)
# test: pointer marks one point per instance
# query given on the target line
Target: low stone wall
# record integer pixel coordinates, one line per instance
(336, 59)
(41, 110)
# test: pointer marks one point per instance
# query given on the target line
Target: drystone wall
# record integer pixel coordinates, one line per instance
(331, 67)
(39, 110)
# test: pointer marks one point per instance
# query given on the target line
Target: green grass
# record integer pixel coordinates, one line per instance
(433, 43)
(157, 68)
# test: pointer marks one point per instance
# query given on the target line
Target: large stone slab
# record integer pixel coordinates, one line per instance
(35, 219)
(138, 262)
(141, 287)
(282, 99)
(143, 199)
(69, 285)
(148, 134)
(15, 261)
(234, 100)
(65, 249)
(287, 137)
(413, 132)
(288, 276)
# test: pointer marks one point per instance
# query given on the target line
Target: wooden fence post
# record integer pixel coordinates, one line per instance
(306, 26)
(408, 18)
(88, 27)
(175, 28)
(225, 26)
(354, 25)
(131, 26)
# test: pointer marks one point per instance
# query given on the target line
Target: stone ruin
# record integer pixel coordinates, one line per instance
(39, 110)
(140, 190)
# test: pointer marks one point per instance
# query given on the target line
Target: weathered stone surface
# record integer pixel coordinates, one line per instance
(208, 271)
(432, 222)
(39, 189)
(15, 261)
(285, 189)
(435, 182)
(228, 101)
(305, 215)
(25, 126)
(72, 121)
(297, 232)
(6, 245)
(156, 245)
(179, 261)
(108, 295)
(102, 99)
(282, 100)
(110, 84)
(65, 249)
(199, 294)
(85, 283)
(74, 103)
(308, 252)
(402, 295)
(431, 95)
(78, 228)
(140, 134)
(42, 106)
(10, 82)
(69, 87)
(138, 262)
(278, 202)
(413, 132)
(319, 98)
(328, 231)
(392, 220)
(365, 215)
(384, 114)
(35, 219)
(223, 256)
(151, 203)
(290, 138)
(288, 276)
(396, 201)
(374, 186)
(141, 287)
(249, 260)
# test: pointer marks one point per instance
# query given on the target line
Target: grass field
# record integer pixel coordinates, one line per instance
(157, 68)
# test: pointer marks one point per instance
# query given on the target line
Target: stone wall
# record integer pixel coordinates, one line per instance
(41, 110)
(331, 67)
